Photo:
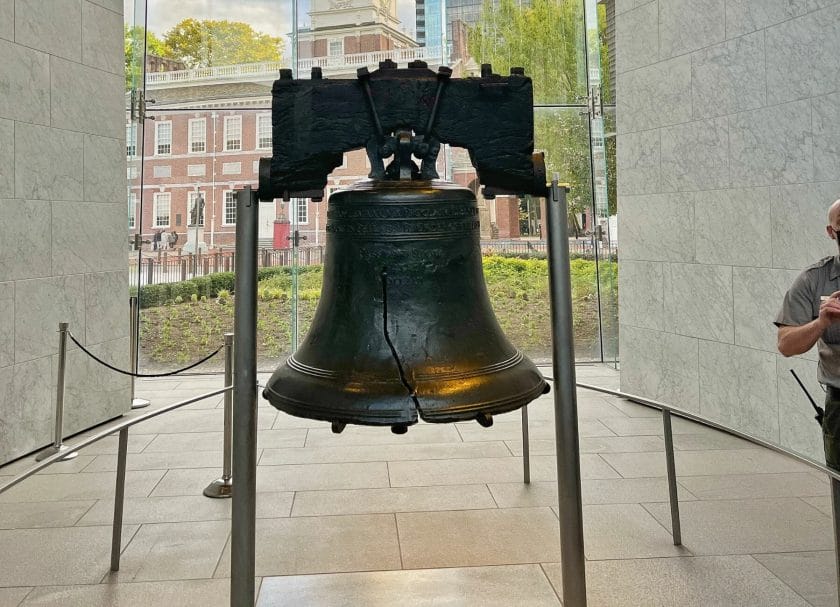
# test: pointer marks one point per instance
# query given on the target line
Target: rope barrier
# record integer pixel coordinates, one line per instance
(113, 368)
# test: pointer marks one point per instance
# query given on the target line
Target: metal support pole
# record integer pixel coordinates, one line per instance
(243, 519)
(835, 517)
(526, 448)
(119, 501)
(133, 340)
(565, 402)
(223, 487)
(58, 446)
(673, 498)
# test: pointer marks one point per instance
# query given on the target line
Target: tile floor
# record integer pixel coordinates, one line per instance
(439, 516)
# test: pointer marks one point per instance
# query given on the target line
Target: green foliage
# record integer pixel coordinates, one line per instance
(133, 39)
(207, 43)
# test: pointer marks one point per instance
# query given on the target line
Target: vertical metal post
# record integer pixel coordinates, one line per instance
(526, 448)
(133, 341)
(673, 498)
(565, 402)
(119, 500)
(243, 523)
(58, 446)
(150, 271)
(223, 487)
(835, 517)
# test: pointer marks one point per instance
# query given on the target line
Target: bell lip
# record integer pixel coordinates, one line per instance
(470, 411)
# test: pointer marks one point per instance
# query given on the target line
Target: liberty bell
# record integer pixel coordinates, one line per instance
(404, 327)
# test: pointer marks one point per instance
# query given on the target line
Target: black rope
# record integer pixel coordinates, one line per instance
(113, 368)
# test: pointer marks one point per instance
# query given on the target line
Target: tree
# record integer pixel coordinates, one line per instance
(547, 39)
(208, 43)
(134, 51)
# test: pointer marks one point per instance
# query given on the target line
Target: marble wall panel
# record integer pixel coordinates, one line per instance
(637, 38)
(102, 38)
(104, 179)
(7, 323)
(661, 366)
(733, 227)
(695, 156)
(637, 159)
(641, 285)
(24, 84)
(826, 125)
(799, 214)
(24, 239)
(744, 16)
(112, 5)
(758, 295)
(654, 96)
(54, 27)
(657, 227)
(622, 6)
(87, 100)
(106, 306)
(803, 56)
(698, 301)
(687, 25)
(78, 246)
(40, 304)
(729, 77)
(771, 145)
(7, 19)
(48, 163)
(7, 158)
(27, 406)
(738, 388)
(798, 429)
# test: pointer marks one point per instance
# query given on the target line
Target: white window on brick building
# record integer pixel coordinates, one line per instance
(162, 209)
(132, 210)
(131, 140)
(231, 168)
(300, 211)
(198, 135)
(132, 172)
(336, 47)
(233, 133)
(257, 167)
(196, 170)
(229, 217)
(163, 138)
(162, 170)
(191, 198)
(263, 131)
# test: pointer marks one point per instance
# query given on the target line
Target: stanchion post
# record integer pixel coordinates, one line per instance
(119, 501)
(223, 487)
(526, 448)
(673, 497)
(133, 341)
(58, 446)
(243, 518)
(565, 402)
(835, 517)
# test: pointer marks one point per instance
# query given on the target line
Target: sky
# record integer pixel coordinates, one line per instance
(272, 17)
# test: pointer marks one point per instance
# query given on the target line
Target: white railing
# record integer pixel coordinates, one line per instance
(269, 69)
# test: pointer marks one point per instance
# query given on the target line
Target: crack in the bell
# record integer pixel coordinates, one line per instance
(411, 391)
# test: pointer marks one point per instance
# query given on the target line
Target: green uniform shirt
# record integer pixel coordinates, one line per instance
(802, 305)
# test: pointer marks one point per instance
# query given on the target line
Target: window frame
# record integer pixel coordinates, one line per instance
(228, 120)
(132, 210)
(225, 204)
(155, 209)
(191, 140)
(259, 138)
(158, 125)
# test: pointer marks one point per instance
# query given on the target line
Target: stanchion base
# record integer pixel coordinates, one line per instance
(52, 450)
(219, 488)
(139, 403)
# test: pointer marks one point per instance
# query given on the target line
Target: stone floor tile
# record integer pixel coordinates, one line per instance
(61, 555)
(739, 486)
(161, 460)
(704, 463)
(70, 466)
(82, 486)
(366, 435)
(173, 551)
(711, 442)
(11, 597)
(631, 409)
(160, 397)
(821, 600)
(595, 444)
(808, 573)
(629, 426)
(363, 453)
(324, 544)
(821, 503)
(625, 531)
(708, 581)
(478, 537)
(405, 499)
(284, 420)
(593, 491)
(536, 429)
(109, 444)
(749, 526)
(499, 586)
(188, 593)
(214, 441)
(197, 421)
(30, 515)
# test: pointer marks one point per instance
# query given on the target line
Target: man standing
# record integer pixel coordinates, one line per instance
(810, 315)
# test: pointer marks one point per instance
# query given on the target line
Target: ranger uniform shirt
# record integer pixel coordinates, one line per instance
(802, 305)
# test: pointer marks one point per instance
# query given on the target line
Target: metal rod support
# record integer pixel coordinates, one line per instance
(526, 448)
(243, 519)
(673, 497)
(58, 430)
(119, 501)
(565, 402)
(134, 339)
(223, 487)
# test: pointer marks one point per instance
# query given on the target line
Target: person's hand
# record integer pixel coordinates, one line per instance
(830, 310)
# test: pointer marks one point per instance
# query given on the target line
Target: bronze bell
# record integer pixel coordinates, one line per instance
(404, 325)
